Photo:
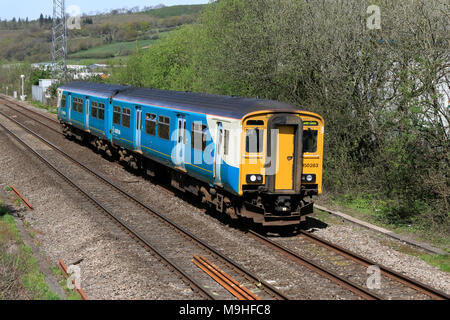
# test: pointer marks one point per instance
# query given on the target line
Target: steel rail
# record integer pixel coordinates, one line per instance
(197, 287)
(224, 279)
(31, 118)
(27, 109)
(414, 284)
(332, 276)
(236, 267)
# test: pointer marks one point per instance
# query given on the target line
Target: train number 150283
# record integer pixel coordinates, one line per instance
(310, 165)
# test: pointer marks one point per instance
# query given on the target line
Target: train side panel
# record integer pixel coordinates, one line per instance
(78, 109)
(122, 129)
(98, 117)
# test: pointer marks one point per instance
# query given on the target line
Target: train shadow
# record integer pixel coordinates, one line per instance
(310, 224)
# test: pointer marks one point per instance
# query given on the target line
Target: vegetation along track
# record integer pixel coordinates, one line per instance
(308, 262)
(136, 222)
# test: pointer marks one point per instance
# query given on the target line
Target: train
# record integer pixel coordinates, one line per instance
(247, 158)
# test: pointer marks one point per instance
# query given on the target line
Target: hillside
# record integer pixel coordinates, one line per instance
(174, 11)
(101, 37)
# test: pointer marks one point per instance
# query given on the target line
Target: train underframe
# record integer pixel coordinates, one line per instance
(268, 210)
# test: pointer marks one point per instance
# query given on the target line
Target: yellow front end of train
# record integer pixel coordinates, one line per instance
(281, 162)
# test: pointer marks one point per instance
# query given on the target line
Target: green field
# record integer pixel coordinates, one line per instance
(175, 11)
(108, 61)
(108, 51)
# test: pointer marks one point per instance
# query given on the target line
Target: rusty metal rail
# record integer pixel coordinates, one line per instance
(411, 283)
(64, 269)
(24, 200)
(224, 279)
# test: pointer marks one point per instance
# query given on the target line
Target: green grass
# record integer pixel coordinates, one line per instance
(108, 51)
(173, 11)
(39, 105)
(3, 209)
(71, 294)
(79, 58)
(87, 62)
(326, 217)
(440, 261)
(22, 269)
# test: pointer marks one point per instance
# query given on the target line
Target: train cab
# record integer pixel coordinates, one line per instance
(281, 164)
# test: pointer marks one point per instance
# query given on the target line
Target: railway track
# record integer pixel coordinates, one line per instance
(333, 276)
(309, 263)
(329, 274)
(172, 265)
(387, 272)
(165, 226)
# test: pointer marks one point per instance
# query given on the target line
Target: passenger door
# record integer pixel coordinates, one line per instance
(138, 133)
(181, 143)
(69, 107)
(87, 112)
(218, 154)
(284, 179)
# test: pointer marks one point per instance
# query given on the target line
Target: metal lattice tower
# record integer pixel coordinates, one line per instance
(59, 43)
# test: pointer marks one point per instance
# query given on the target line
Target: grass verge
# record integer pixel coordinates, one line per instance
(20, 276)
(440, 261)
(39, 105)
(71, 294)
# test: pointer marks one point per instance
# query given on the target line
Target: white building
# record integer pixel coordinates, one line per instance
(39, 93)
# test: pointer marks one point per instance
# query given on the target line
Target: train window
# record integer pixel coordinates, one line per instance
(63, 101)
(254, 140)
(199, 135)
(309, 140)
(164, 127)
(94, 109)
(101, 111)
(116, 115)
(150, 124)
(80, 105)
(126, 117)
(255, 122)
(226, 142)
(75, 104)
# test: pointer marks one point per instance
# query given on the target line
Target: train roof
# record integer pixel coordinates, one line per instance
(226, 106)
(93, 89)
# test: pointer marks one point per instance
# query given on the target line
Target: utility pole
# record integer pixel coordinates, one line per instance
(22, 97)
(59, 37)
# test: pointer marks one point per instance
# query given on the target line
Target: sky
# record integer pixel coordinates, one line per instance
(33, 8)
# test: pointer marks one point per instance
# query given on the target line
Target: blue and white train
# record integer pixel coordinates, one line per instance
(247, 158)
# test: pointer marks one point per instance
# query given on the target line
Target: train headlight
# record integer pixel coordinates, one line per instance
(254, 178)
(310, 178)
